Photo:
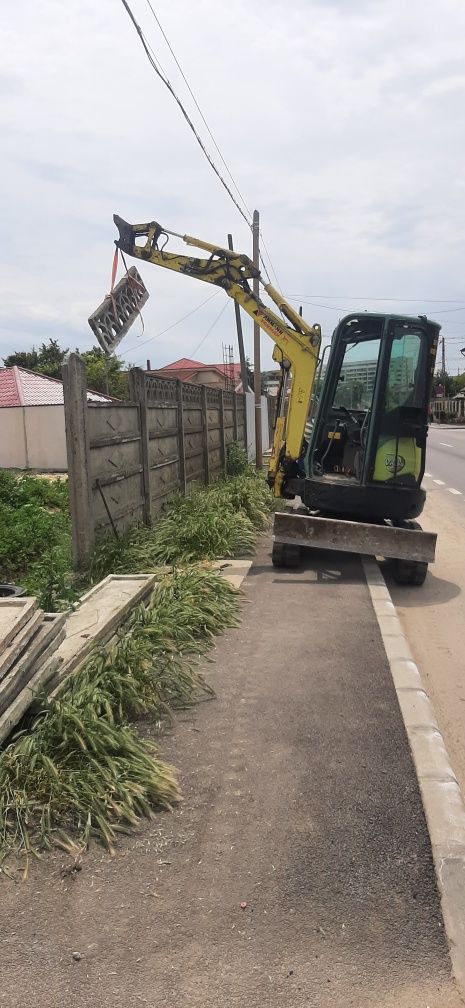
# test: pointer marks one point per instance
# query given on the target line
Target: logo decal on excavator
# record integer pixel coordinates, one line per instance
(395, 463)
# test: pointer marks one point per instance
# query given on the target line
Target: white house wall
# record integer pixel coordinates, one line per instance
(33, 437)
(250, 407)
(12, 438)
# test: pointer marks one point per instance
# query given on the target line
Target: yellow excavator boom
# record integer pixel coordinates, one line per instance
(297, 344)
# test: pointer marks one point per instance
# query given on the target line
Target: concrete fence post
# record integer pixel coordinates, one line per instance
(181, 446)
(138, 394)
(78, 453)
(235, 423)
(222, 432)
(206, 458)
(244, 407)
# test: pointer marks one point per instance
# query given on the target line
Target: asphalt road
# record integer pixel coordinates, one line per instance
(297, 873)
(434, 616)
(445, 460)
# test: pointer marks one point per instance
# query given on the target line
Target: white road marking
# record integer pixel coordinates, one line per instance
(439, 482)
(428, 475)
(445, 445)
(451, 490)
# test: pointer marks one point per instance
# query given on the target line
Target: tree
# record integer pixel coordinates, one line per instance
(26, 359)
(96, 371)
(47, 360)
(51, 359)
(450, 383)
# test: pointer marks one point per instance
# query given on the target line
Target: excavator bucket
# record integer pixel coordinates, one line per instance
(385, 540)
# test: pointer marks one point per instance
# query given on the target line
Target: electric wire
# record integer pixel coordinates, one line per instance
(181, 71)
(204, 120)
(173, 325)
(214, 323)
(365, 297)
(166, 82)
(155, 63)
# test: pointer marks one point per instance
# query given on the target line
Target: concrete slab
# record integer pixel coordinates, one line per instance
(101, 611)
(25, 698)
(46, 640)
(14, 613)
(11, 652)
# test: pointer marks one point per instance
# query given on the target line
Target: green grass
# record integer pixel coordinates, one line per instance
(80, 769)
(35, 538)
(35, 535)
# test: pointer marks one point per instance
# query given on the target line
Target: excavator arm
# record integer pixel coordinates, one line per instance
(296, 345)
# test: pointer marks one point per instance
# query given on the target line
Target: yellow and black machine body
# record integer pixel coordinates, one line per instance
(349, 437)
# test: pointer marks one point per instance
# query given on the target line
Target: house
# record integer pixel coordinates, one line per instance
(221, 376)
(32, 421)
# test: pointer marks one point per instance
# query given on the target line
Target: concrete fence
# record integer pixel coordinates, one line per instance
(126, 459)
(456, 407)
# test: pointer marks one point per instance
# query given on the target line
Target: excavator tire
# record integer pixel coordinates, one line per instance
(286, 555)
(409, 572)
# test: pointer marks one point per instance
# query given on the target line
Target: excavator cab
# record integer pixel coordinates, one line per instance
(366, 449)
(364, 456)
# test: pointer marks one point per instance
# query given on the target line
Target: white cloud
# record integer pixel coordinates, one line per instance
(341, 121)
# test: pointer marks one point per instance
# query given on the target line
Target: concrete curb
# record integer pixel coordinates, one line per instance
(441, 796)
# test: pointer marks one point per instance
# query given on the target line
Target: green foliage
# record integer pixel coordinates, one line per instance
(47, 360)
(451, 383)
(35, 541)
(80, 770)
(237, 460)
(96, 371)
(218, 521)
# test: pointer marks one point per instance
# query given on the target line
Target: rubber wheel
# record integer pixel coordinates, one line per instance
(409, 572)
(286, 555)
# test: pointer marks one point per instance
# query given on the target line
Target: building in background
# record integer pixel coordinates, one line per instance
(32, 419)
(226, 376)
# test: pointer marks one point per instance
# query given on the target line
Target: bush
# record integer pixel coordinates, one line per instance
(237, 461)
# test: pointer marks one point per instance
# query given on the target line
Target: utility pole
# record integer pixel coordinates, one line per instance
(443, 359)
(240, 340)
(257, 373)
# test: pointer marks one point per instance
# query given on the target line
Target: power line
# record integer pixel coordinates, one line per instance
(365, 297)
(181, 71)
(164, 79)
(223, 309)
(173, 325)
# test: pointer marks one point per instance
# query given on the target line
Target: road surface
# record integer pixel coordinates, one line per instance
(434, 615)
(298, 871)
(445, 459)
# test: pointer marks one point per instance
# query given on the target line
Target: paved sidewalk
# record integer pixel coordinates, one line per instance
(301, 804)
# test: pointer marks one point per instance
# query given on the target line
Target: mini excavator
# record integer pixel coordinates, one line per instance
(350, 431)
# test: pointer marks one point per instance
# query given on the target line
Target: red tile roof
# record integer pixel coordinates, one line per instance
(8, 391)
(184, 364)
(19, 387)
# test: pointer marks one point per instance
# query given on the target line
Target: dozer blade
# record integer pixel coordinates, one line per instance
(354, 537)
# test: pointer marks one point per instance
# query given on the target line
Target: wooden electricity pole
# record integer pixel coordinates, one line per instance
(257, 374)
(240, 340)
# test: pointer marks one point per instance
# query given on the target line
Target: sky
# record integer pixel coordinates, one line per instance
(341, 121)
